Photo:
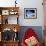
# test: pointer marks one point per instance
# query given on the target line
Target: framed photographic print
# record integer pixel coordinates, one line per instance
(7, 34)
(13, 12)
(11, 20)
(30, 13)
(5, 12)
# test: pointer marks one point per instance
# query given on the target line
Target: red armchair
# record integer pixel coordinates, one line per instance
(30, 34)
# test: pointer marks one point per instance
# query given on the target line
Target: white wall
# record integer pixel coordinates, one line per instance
(27, 4)
(31, 4)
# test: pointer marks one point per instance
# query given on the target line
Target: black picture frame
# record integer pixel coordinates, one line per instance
(30, 13)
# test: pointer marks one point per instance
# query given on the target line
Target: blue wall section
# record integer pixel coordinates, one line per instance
(37, 29)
